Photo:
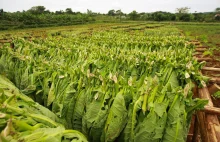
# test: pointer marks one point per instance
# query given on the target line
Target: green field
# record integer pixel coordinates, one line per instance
(128, 82)
(208, 34)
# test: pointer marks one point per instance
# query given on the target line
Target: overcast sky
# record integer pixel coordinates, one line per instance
(104, 6)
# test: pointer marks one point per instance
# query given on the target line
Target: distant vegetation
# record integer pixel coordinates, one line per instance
(38, 16)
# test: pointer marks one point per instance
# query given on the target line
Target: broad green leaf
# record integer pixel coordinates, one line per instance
(116, 119)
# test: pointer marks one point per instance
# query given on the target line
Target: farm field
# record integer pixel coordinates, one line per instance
(99, 82)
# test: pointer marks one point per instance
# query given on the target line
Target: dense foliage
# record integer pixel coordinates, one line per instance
(110, 85)
(20, 20)
(38, 16)
(22, 119)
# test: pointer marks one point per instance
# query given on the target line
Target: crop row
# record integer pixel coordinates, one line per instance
(111, 85)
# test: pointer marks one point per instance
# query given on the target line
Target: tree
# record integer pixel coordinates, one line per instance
(182, 13)
(133, 15)
(217, 9)
(146, 16)
(172, 17)
(59, 12)
(185, 17)
(1, 12)
(119, 13)
(47, 12)
(111, 12)
(89, 12)
(159, 16)
(37, 9)
(199, 17)
(69, 11)
(183, 10)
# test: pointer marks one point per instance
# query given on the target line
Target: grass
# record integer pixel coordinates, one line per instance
(205, 33)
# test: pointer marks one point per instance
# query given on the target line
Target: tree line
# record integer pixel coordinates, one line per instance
(182, 14)
(39, 16)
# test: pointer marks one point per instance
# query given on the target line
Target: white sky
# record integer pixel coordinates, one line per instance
(104, 6)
